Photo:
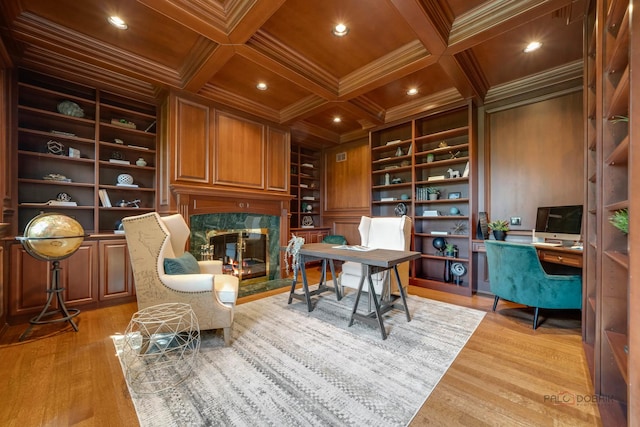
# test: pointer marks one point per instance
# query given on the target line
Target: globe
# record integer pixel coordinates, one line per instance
(439, 243)
(52, 236)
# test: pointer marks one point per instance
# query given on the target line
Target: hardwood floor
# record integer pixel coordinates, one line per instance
(507, 374)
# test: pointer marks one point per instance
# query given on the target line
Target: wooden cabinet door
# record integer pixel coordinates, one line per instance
(116, 276)
(30, 278)
(239, 152)
(80, 275)
(277, 160)
(191, 142)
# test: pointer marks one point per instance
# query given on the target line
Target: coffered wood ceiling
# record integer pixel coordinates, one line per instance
(451, 50)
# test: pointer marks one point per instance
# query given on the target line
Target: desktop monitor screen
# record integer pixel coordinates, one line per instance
(562, 222)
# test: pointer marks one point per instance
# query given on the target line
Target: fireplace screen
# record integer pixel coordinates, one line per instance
(244, 253)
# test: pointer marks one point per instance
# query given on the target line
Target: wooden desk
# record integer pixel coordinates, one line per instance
(373, 262)
(554, 254)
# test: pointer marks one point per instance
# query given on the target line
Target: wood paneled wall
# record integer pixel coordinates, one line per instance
(347, 188)
(534, 157)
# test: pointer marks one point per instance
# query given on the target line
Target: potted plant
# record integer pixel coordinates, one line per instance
(499, 228)
(451, 250)
(620, 220)
(433, 193)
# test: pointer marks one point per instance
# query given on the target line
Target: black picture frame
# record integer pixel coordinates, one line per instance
(455, 195)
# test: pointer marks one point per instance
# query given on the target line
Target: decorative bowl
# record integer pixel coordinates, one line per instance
(70, 108)
(125, 178)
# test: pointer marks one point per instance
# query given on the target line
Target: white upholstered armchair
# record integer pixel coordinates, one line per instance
(380, 233)
(150, 240)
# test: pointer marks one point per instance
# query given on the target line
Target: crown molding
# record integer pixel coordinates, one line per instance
(303, 108)
(230, 99)
(48, 62)
(571, 72)
(423, 104)
(59, 39)
(497, 14)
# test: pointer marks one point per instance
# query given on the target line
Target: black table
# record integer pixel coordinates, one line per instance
(373, 261)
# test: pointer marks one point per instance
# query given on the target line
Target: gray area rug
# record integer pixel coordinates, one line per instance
(288, 367)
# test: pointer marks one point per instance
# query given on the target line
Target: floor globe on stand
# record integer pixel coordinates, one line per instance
(52, 237)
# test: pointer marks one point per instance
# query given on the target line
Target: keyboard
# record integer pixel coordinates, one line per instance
(547, 244)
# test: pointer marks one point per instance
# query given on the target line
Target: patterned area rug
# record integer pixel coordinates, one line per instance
(288, 367)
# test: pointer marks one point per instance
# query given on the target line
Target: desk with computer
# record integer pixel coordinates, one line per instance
(557, 238)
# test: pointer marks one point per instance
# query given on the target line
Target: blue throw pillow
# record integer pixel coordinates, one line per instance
(185, 264)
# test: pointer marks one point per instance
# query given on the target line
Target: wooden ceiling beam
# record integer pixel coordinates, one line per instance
(204, 63)
(496, 17)
(322, 89)
(399, 63)
(466, 74)
(233, 22)
(429, 20)
(207, 19)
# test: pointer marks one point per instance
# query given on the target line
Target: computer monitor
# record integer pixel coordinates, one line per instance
(559, 222)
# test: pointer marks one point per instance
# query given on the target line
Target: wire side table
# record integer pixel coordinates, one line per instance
(161, 345)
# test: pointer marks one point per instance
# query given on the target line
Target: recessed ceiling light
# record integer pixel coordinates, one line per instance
(261, 86)
(340, 30)
(337, 119)
(412, 91)
(532, 46)
(117, 22)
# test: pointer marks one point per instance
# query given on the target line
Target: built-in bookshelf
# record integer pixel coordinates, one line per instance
(76, 144)
(610, 287)
(305, 182)
(422, 168)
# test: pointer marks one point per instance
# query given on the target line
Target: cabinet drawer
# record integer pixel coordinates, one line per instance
(572, 260)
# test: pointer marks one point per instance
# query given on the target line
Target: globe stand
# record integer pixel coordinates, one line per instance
(52, 237)
(67, 313)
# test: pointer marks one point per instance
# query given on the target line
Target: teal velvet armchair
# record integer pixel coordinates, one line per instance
(515, 274)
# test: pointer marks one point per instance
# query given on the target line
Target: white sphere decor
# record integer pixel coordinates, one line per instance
(125, 178)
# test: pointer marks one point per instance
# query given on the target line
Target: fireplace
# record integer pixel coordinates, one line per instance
(244, 253)
(216, 210)
(247, 244)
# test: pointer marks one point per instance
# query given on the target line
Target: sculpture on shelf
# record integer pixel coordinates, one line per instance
(131, 204)
(453, 173)
(55, 147)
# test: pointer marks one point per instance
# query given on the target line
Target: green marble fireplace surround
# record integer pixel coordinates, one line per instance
(203, 224)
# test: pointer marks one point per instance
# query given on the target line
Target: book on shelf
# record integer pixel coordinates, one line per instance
(49, 203)
(440, 233)
(358, 248)
(430, 213)
(61, 203)
(127, 185)
(120, 162)
(308, 198)
(436, 178)
(104, 198)
(387, 199)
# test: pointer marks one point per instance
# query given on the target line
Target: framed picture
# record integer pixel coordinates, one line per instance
(455, 195)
